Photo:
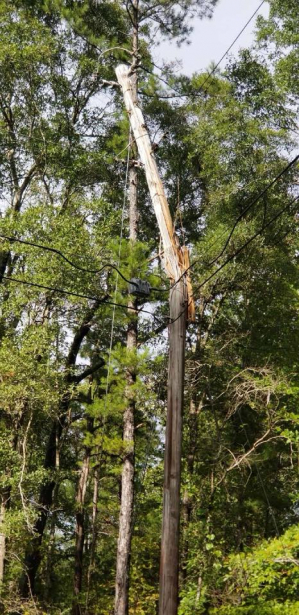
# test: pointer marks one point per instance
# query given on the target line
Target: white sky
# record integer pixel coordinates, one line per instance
(212, 37)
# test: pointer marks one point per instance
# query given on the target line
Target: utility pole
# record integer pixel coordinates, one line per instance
(121, 605)
(176, 262)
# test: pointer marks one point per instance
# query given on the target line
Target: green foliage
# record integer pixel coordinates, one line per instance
(63, 153)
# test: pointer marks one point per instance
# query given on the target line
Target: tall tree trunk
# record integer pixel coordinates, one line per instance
(33, 553)
(4, 499)
(51, 551)
(80, 525)
(127, 481)
(93, 533)
(187, 498)
(126, 515)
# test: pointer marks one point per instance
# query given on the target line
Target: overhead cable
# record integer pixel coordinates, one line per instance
(115, 268)
(212, 72)
(67, 260)
(237, 252)
(103, 300)
(244, 212)
(232, 44)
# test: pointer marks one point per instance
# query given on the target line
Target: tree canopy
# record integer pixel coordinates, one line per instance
(226, 146)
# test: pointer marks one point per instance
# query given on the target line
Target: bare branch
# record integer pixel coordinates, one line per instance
(88, 371)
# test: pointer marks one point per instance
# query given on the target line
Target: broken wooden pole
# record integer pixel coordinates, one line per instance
(156, 188)
(176, 263)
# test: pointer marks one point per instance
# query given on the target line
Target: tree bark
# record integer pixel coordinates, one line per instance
(126, 509)
(93, 533)
(33, 554)
(4, 498)
(49, 581)
(80, 526)
(127, 481)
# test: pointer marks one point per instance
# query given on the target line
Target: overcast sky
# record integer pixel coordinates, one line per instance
(211, 37)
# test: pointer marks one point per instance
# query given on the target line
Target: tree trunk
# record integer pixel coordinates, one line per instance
(126, 516)
(80, 525)
(5, 499)
(127, 480)
(33, 554)
(51, 550)
(3, 507)
(80, 531)
(93, 532)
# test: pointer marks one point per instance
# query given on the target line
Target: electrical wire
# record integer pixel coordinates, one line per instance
(239, 250)
(212, 72)
(232, 44)
(239, 218)
(53, 288)
(235, 254)
(250, 206)
(67, 260)
(103, 300)
(115, 268)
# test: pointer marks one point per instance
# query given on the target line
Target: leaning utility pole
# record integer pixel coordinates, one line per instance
(176, 262)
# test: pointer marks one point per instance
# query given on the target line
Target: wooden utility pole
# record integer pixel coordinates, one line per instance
(169, 562)
(176, 261)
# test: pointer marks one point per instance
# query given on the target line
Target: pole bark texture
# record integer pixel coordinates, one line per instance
(169, 564)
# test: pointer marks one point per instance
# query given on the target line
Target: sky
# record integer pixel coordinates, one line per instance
(212, 37)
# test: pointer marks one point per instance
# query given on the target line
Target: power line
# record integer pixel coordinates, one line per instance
(111, 266)
(244, 212)
(237, 252)
(53, 288)
(65, 258)
(232, 44)
(212, 72)
(102, 300)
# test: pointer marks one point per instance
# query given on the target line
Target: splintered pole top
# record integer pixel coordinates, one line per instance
(176, 258)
